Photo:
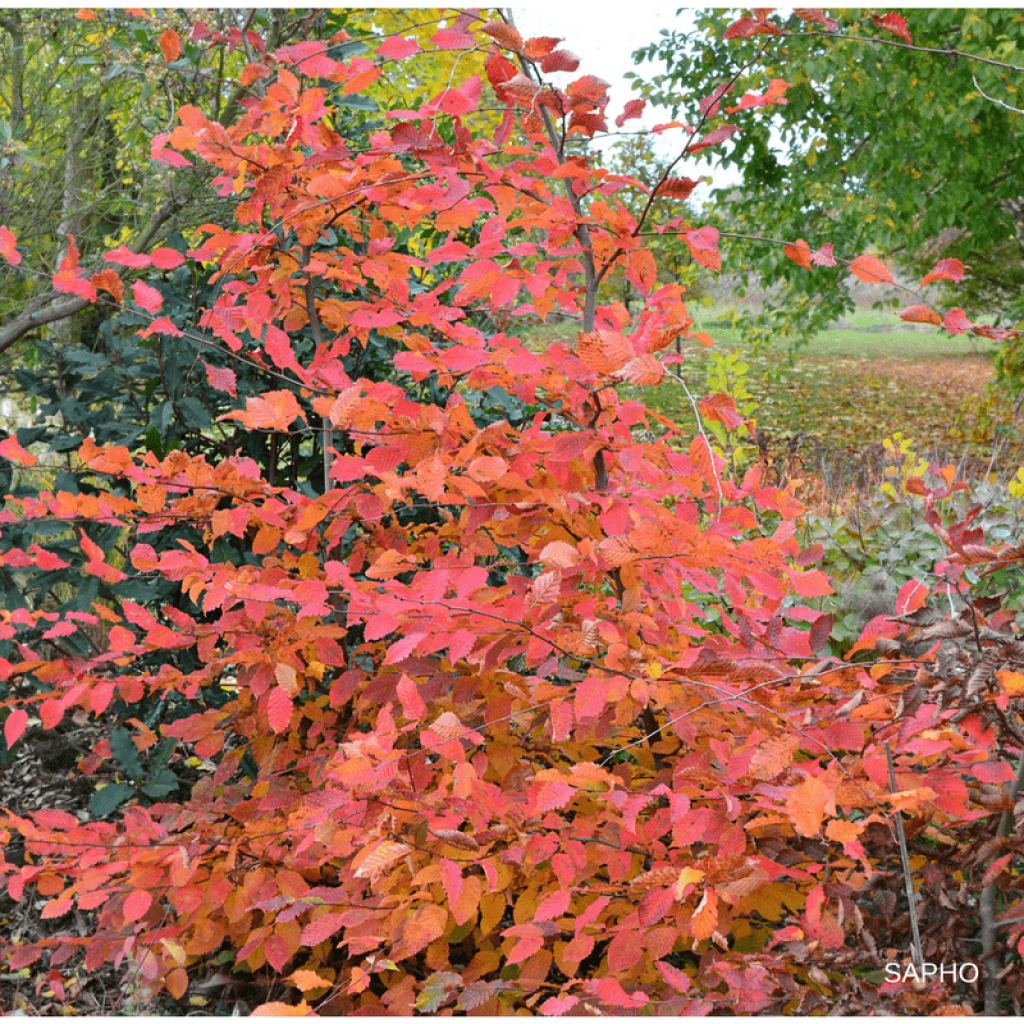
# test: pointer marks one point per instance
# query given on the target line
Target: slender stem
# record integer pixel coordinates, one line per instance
(908, 881)
(987, 906)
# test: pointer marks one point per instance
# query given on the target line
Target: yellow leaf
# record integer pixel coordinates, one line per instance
(687, 877)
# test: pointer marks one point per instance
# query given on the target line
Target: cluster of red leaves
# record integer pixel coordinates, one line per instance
(606, 773)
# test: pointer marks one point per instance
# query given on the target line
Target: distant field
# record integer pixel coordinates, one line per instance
(864, 334)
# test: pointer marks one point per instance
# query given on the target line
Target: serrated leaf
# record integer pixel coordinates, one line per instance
(871, 270)
(137, 904)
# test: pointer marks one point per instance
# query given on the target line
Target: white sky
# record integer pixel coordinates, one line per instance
(605, 45)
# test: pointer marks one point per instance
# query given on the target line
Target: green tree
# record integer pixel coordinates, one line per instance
(900, 135)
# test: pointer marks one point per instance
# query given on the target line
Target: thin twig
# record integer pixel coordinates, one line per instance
(987, 909)
(908, 881)
(992, 99)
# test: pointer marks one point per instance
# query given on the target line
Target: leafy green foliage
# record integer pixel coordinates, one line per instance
(880, 145)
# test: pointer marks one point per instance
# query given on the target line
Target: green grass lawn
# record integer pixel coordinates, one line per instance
(863, 334)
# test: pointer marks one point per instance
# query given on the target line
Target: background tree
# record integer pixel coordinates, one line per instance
(900, 133)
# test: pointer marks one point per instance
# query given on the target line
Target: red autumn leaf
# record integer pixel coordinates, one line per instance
(14, 726)
(170, 45)
(553, 905)
(123, 255)
(750, 27)
(137, 905)
(654, 905)
(321, 929)
(559, 60)
(221, 378)
(146, 296)
(634, 108)
(540, 46)
(817, 16)
(921, 315)
(895, 23)
(166, 259)
(558, 1006)
(871, 269)
(950, 269)
(452, 39)
(722, 409)
(397, 48)
(956, 322)
(823, 257)
(799, 252)
(279, 709)
(7, 247)
(703, 246)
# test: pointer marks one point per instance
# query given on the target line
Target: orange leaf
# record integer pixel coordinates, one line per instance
(800, 253)
(170, 45)
(10, 449)
(808, 803)
(603, 351)
(302, 1009)
(871, 270)
(705, 917)
(376, 858)
(1011, 682)
(641, 270)
(84, 14)
(177, 982)
(921, 315)
(309, 980)
(642, 370)
(503, 34)
(843, 831)
(559, 554)
(361, 81)
(426, 924)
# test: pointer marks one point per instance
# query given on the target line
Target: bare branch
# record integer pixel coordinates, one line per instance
(55, 305)
(992, 99)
